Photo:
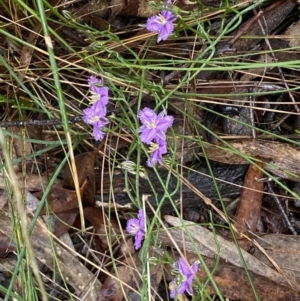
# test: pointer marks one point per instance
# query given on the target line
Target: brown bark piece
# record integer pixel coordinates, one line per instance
(249, 207)
(281, 159)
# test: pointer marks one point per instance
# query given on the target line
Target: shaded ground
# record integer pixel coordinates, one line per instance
(229, 76)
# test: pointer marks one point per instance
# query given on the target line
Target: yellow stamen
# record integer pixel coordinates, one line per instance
(151, 125)
(94, 97)
(163, 20)
(95, 119)
(153, 147)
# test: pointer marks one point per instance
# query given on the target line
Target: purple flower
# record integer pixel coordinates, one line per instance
(100, 96)
(95, 115)
(97, 119)
(157, 149)
(154, 126)
(136, 226)
(99, 92)
(184, 278)
(162, 24)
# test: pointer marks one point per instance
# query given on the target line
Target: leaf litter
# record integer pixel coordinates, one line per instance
(212, 146)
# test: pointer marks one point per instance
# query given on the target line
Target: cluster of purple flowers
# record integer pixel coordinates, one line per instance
(184, 274)
(95, 115)
(153, 132)
(162, 24)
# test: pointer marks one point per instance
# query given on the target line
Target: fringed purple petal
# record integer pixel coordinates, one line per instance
(148, 135)
(153, 24)
(132, 226)
(93, 80)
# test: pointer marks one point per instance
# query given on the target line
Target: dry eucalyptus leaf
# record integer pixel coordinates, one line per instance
(86, 176)
(280, 159)
(106, 227)
(59, 200)
(113, 288)
(85, 167)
